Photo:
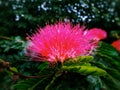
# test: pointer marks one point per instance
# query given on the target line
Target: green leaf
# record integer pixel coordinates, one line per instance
(108, 59)
(107, 49)
(14, 69)
(86, 70)
(111, 82)
(108, 56)
(115, 34)
(29, 84)
(85, 59)
(79, 60)
(43, 66)
(114, 73)
(96, 83)
(1, 60)
(20, 86)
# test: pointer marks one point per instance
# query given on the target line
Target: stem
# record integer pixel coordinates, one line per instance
(6, 65)
(27, 77)
(4, 37)
(36, 84)
(53, 79)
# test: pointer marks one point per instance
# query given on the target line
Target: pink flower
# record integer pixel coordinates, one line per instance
(62, 41)
(96, 34)
(116, 44)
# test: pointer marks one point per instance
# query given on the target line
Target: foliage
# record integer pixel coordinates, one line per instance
(85, 72)
(12, 53)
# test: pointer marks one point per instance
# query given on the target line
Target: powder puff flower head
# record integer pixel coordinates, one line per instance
(116, 44)
(62, 41)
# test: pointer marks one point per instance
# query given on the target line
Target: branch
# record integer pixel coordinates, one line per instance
(6, 65)
(4, 37)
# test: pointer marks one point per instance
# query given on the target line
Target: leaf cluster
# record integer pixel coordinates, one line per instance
(85, 73)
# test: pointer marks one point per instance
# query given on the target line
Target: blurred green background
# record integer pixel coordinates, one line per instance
(18, 17)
